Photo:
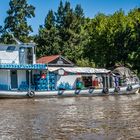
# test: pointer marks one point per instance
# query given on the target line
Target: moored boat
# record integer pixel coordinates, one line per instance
(21, 76)
(69, 93)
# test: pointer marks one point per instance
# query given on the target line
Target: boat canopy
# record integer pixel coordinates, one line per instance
(82, 70)
(123, 71)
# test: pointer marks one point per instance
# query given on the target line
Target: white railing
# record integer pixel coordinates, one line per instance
(9, 61)
(14, 61)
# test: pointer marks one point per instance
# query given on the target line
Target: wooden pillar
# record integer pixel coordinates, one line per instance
(48, 79)
(105, 81)
(108, 81)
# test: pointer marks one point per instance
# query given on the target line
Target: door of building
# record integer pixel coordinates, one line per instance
(14, 82)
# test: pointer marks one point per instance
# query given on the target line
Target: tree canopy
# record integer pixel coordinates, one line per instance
(62, 32)
(16, 21)
(102, 41)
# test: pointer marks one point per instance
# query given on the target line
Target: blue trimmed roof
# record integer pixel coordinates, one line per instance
(24, 66)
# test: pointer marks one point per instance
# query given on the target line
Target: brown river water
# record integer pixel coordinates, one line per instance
(71, 118)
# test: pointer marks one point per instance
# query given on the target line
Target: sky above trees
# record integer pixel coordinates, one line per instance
(90, 7)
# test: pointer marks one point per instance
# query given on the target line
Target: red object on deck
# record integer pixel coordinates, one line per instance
(95, 82)
(43, 76)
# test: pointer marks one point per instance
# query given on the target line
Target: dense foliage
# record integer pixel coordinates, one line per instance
(104, 41)
(62, 32)
(16, 21)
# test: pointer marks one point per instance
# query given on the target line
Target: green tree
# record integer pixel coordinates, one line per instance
(109, 39)
(134, 27)
(117, 38)
(47, 39)
(95, 49)
(16, 21)
(69, 24)
(62, 32)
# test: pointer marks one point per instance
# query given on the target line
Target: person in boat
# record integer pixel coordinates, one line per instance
(96, 82)
(116, 80)
(79, 83)
(100, 79)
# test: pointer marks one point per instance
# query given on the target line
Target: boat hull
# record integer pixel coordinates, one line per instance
(71, 93)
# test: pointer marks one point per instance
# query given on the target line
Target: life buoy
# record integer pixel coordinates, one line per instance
(91, 90)
(105, 90)
(77, 91)
(129, 88)
(60, 92)
(31, 94)
(117, 89)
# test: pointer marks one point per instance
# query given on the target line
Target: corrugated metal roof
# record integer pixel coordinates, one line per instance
(47, 59)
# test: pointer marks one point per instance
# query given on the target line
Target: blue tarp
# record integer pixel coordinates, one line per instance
(24, 66)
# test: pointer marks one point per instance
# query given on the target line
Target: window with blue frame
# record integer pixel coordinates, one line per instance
(22, 55)
(10, 48)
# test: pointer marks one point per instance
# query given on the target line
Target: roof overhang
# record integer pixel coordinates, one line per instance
(23, 66)
(80, 70)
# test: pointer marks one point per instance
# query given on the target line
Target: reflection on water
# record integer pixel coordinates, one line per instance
(74, 118)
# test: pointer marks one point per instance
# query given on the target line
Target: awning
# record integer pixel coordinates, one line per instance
(24, 66)
(82, 70)
(123, 71)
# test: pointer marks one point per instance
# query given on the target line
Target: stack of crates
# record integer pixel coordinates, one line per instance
(4, 87)
(52, 81)
(64, 86)
(40, 83)
(23, 86)
(45, 84)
